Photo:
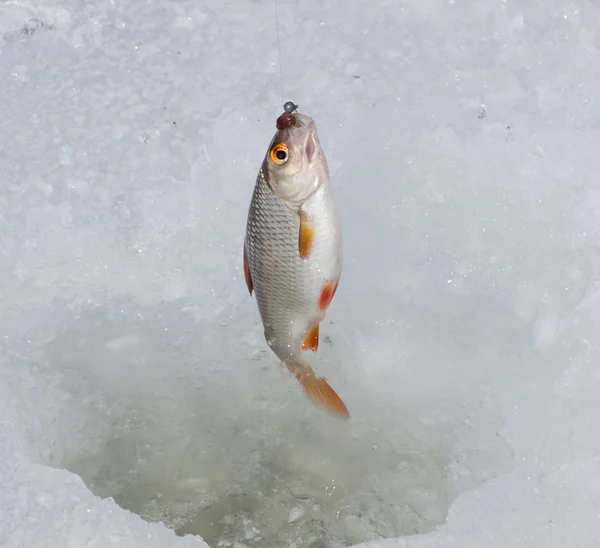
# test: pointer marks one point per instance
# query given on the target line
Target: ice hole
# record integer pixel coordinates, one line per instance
(167, 419)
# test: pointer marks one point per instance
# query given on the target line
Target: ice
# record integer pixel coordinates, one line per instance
(295, 513)
(139, 403)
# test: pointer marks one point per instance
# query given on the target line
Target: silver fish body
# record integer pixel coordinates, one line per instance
(287, 287)
(293, 250)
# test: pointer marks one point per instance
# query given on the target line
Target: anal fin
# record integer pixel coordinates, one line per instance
(311, 341)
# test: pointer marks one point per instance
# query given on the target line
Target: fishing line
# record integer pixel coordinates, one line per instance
(278, 47)
(289, 107)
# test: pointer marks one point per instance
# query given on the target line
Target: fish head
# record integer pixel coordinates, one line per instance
(295, 164)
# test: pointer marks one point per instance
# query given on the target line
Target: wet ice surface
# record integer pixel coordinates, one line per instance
(462, 142)
(258, 467)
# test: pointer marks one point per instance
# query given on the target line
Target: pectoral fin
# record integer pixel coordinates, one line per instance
(327, 294)
(306, 235)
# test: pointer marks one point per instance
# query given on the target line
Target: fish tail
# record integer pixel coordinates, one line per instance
(319, 391)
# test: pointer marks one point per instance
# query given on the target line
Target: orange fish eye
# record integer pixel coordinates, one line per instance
(279, 154)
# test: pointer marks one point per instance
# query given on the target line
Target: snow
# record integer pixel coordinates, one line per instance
(462, 141)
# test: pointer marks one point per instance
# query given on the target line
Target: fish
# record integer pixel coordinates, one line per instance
(292, 254)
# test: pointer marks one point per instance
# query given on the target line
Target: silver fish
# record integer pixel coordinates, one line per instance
(293, 250)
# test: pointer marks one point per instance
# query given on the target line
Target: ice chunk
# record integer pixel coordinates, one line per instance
(295, 513)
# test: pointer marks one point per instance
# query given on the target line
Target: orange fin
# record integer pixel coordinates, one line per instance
(305, 236)
(319, 391)
(247, 276)
(327, 294)
(311, 341)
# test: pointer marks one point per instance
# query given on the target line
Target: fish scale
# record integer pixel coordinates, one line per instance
(283, 285)
(293, 290)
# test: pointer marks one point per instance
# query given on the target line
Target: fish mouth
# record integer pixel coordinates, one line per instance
(303, 121)
(300, 129)
(305, 131)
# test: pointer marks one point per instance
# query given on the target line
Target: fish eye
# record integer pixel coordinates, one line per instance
(279, 154)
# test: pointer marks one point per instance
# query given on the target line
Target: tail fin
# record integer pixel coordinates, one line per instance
(319, 391)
